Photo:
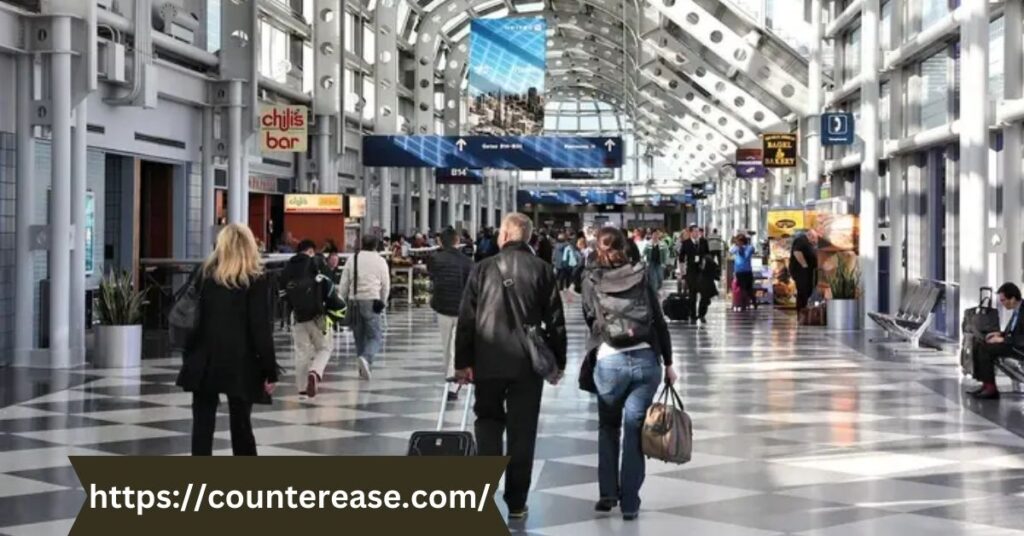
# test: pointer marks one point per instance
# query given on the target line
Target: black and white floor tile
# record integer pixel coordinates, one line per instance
(797, 431)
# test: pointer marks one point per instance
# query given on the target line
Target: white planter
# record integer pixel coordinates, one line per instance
(118, 347)
(843, 315)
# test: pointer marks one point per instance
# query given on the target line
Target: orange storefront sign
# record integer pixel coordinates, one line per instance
(313, 203)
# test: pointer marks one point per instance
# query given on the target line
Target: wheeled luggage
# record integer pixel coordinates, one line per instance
(983, 319)
(441, 443)
(968, 349)
(675, 305)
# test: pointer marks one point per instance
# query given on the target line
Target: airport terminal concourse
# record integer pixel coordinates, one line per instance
(693, 267)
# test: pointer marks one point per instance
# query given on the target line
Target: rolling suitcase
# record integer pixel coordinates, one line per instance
(675, 305)
(441, 443)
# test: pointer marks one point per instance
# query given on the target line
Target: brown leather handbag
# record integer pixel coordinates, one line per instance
(668, 433)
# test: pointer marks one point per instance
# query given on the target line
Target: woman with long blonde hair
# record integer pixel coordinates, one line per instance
(232, 347)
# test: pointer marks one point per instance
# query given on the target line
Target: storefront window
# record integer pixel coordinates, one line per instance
(884, 123)
(851, 55)
(997, 30)
(885, 27)
(350, 32)
(274, 49)
(370, 98)
(932, 11)
(934, 105)
(369, 44)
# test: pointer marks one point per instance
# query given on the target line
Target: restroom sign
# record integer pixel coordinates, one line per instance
(283, 128)
(779, 150)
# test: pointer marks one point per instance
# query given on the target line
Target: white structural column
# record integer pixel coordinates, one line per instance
(490, 180)
(79, 174)
(737, 204)
(1013, 263)
(206, 219)
(405, 220)
(454, 204)
(812, 183)
(25, 195)
(60, 193)
(754, 219)
(868, 246)
(898, 207)
(237, 185)
(974, 138)
(474, 209)
(424, 210)
(324, 162)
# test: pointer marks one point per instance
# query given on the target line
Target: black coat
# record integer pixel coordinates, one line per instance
(693, 255)
(232, 351)
(485, 338)
(625, 277)
(449, 270)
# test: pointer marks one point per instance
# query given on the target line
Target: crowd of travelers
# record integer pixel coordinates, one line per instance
(485, 290)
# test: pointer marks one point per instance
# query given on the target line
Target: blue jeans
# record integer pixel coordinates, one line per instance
(626, 384)
(655, 276)
(367, 333)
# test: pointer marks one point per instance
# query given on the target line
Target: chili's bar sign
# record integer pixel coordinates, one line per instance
(283, 128)
(313, 203)
(779, 150)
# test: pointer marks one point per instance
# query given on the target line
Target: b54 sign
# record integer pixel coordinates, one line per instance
(283, 128)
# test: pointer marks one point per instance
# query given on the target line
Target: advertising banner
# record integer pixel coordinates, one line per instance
(507, 63)
(492, 152)
(779, 150)
(783, 225)
(750, 164)
(710, 188)
(283, 128)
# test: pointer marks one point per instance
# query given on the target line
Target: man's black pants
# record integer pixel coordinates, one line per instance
(985, 360)
(692, 277)
(512, 406)
(804, 288)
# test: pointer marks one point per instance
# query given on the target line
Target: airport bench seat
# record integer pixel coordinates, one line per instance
(914, 316)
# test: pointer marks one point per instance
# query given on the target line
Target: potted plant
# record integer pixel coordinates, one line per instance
(119, 312)
(842, 309)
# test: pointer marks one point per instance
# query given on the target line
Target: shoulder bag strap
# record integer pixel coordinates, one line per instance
(506, 284)
(355, 275)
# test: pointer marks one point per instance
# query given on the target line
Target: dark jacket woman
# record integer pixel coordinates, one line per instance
(232, 348)
(629, 353)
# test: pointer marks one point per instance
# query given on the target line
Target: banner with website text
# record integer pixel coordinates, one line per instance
(155, 495)
(507, 63)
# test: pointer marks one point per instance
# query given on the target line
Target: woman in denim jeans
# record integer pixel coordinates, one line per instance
(627, 370)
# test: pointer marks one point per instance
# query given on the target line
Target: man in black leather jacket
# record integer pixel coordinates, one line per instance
(449, 270)
(490, 352)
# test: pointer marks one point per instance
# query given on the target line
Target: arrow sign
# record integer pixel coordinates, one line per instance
(494, 152)
(609, 145)
(461, 144)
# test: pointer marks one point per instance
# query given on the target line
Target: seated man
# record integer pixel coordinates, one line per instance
(999, 344)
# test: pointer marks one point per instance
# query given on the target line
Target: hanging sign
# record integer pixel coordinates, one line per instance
(779, 150)
(283, 128)
(836, 128)
(750, 164)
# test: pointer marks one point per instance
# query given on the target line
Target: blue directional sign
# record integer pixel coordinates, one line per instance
(837, 129)
(571, 197)
(492, 152)
(459, 176)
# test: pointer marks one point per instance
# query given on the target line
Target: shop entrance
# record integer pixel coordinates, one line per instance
(266, 219)
(156, 210)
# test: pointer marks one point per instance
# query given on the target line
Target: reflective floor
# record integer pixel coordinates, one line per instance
(797, 431)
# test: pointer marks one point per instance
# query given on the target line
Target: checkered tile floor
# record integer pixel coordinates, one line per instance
(797, 432)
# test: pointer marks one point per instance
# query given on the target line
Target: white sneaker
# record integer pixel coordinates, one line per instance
(364, 368)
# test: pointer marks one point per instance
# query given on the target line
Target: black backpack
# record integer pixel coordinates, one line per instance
(623, 306)
(304, 292)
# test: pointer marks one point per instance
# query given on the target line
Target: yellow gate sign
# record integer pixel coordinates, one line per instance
(283, 128)
(779, 150)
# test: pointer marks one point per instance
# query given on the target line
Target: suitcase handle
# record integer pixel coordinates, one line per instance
(986, 296)
(444, 405)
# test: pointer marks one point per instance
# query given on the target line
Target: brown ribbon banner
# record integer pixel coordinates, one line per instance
(155, 495)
